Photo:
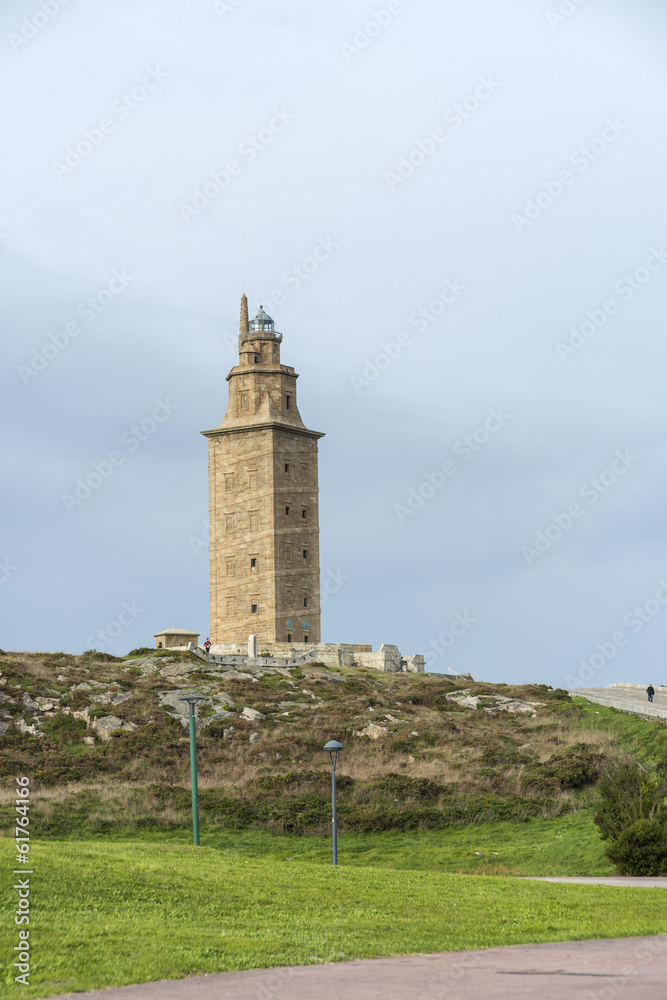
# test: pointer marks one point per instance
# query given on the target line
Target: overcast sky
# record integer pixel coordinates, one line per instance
(455, 213)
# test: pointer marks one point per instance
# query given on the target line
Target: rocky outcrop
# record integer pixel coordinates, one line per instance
(108, 724)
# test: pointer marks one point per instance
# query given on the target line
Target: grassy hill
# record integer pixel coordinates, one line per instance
(447, 754)
(467, 778)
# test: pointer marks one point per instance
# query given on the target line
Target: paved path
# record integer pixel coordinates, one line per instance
(642, 881)
(627, 698)
(628, 968)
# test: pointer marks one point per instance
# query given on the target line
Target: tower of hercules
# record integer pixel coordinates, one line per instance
(263, 501)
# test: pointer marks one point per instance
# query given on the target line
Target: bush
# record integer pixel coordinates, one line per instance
(628, 793)
(65, 728)
(641, 849)
(576, 767)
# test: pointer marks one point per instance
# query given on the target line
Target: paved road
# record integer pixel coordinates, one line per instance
(628, 698)
(629, 968)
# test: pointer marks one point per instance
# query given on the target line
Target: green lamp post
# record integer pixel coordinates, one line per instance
(334, 749)
(192, 701)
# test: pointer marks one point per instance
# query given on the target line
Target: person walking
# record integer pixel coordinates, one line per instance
(650, 691)
(207, 646)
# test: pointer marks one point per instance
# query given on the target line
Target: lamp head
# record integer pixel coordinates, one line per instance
(334, 748)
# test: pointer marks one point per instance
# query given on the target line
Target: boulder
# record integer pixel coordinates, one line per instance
(108, 724)
(23, 727)
(48, 704)
(252, 715)
(29, 702)
(216, 717)
(372, 731)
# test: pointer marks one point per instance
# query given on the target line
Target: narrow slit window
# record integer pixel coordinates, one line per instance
(286, 511)
(305, 554)
(253, 564)
(253, 609)
(288, 402)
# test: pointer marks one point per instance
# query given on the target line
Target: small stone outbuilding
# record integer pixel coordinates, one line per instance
(175, 638)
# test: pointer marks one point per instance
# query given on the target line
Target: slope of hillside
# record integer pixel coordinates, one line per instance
(104, 743)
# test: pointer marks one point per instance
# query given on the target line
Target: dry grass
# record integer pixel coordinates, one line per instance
(480, 762)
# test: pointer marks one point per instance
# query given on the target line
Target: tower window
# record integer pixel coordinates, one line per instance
(229, 523)
(253, 609)
(257, 359)
(288, 402)
(253, 517)
(286, 511)
(244, 401)
(305, 638)
(253, 563)
(252, 479)
(289, 636)
(304, 514)
(230, 565)
(229, 482)
(287, 468)
(306, 626)
(305, 554)
(288, 553)
(305, 601)
(289, 623)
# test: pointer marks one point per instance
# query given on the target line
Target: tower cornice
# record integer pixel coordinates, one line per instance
(294, 429)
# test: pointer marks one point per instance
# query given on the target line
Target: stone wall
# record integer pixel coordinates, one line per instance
(332, 654)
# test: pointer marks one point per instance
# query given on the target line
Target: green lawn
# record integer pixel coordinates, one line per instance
(566, 845)
(644, 737)
(107, 913)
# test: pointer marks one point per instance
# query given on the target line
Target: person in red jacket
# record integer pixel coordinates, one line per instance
(207, 646)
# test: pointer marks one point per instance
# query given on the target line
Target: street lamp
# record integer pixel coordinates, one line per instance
(192, 701)
(334, 749)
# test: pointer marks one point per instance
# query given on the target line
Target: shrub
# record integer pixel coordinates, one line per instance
(64, 728)
(576, 767)
(628, 793)
(641, 849)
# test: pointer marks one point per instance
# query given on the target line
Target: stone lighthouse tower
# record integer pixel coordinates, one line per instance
(263, 501)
